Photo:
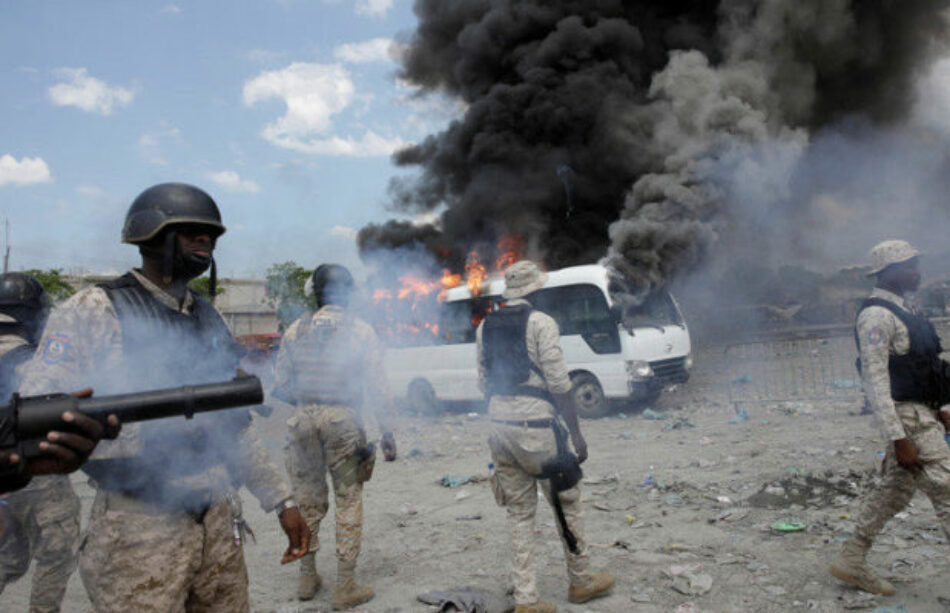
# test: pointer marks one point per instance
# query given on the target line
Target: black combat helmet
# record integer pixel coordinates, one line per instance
(24, 300)
(332, 284)
(163, 207)
(169, 204)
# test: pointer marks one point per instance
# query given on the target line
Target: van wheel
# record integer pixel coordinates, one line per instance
(588, 396)
(422, 399)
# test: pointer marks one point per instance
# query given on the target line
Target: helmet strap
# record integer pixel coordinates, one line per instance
(168, 256)
(213, 281)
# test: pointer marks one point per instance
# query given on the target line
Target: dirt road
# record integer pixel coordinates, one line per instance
(702, 527)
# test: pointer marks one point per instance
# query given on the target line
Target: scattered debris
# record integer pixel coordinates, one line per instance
(458, 480)
(652, 415)
(465, 600)
(788, 525)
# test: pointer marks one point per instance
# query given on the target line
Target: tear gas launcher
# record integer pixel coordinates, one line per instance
(26, 420)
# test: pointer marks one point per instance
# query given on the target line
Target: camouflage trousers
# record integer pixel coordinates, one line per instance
(898, 485)
(40, 522)
(321, 439)
(136, 557)
(518, 454)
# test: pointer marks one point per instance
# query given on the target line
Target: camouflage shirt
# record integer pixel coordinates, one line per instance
(334, 355)
(82, 347)
(544, 348)
(880, 335)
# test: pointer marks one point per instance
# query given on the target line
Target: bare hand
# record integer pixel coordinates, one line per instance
(580, 446)
(907, 457)
(388, 443)
(65, 452)
(298, 535)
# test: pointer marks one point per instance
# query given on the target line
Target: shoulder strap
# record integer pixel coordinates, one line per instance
(906, 317)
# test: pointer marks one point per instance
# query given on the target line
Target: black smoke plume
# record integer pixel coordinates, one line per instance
(666, 113)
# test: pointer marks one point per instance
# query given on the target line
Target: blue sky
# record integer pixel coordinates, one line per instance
(284, 110)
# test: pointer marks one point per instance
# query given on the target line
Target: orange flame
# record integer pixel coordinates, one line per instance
(475, 273)
(509, 248)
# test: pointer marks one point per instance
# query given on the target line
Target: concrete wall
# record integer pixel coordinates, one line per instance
(243, 304)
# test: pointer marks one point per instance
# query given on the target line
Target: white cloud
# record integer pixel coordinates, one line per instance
(373, 50)
(373, 8)
(232, 181)
(313, 93)
(343, 232)
(171, 9)
(83, 91)
(27, 171)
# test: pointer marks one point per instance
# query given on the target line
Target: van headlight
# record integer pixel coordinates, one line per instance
(688, 362)
(638, 369)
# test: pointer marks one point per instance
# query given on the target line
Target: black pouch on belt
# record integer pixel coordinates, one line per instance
(564, 472)
(367, 461)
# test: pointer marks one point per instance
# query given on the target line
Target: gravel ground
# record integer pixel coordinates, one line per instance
(703, 527)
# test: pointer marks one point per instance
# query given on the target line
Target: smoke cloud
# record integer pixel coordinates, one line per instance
(691, 130)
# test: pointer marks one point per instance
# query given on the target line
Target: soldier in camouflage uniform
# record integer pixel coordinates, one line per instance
(165, 524)
(898, 351)
(522, 440)
(41, 521)
(329, 365)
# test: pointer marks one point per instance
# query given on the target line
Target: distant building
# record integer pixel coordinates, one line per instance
(243, 304)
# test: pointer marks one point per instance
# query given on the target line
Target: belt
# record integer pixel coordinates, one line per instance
(196, 506)
(525, 423)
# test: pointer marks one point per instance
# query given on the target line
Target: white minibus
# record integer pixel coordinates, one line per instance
(608, 361)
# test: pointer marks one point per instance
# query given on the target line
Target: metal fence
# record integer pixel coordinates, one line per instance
(794, 369)
(803, 364)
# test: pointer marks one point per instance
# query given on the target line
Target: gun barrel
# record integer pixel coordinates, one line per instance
(38, 415)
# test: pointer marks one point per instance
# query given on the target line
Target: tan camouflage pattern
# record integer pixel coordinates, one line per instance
(899, 485)
(880, 335)
(40, 523)
(544, 349)
(137, 559)
(83, 338)
(890, 252)
(305, 372)
(321, 439)
(518, 454)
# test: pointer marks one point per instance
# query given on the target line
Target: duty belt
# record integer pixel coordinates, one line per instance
(528, 390)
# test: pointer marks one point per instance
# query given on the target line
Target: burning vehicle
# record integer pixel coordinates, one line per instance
(433, 354)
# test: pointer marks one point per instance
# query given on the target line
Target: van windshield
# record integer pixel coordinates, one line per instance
(657, 310)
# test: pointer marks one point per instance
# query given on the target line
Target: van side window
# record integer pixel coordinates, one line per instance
(460, 319)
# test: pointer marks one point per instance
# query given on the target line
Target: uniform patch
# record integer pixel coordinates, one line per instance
(875, 336)
(56, 349)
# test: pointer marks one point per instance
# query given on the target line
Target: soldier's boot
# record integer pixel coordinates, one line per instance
(538, 607)
(851, 567)
(598, 586)
(348, 593)
(310, 580)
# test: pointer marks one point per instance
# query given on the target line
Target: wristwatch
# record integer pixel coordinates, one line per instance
(286, 503)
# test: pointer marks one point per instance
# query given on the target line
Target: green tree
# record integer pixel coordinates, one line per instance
(285, 291)
(54, 282)
(202, 285)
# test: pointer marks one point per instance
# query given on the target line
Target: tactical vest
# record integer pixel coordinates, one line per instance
(9, 362)
(166, 348)
(327, 361)
(505, 348)
(917, 375)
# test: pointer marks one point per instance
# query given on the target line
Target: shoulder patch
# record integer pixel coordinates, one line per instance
(56, 348)
(875, 336)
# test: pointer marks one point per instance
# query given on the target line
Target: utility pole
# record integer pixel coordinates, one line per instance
(6, 255)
